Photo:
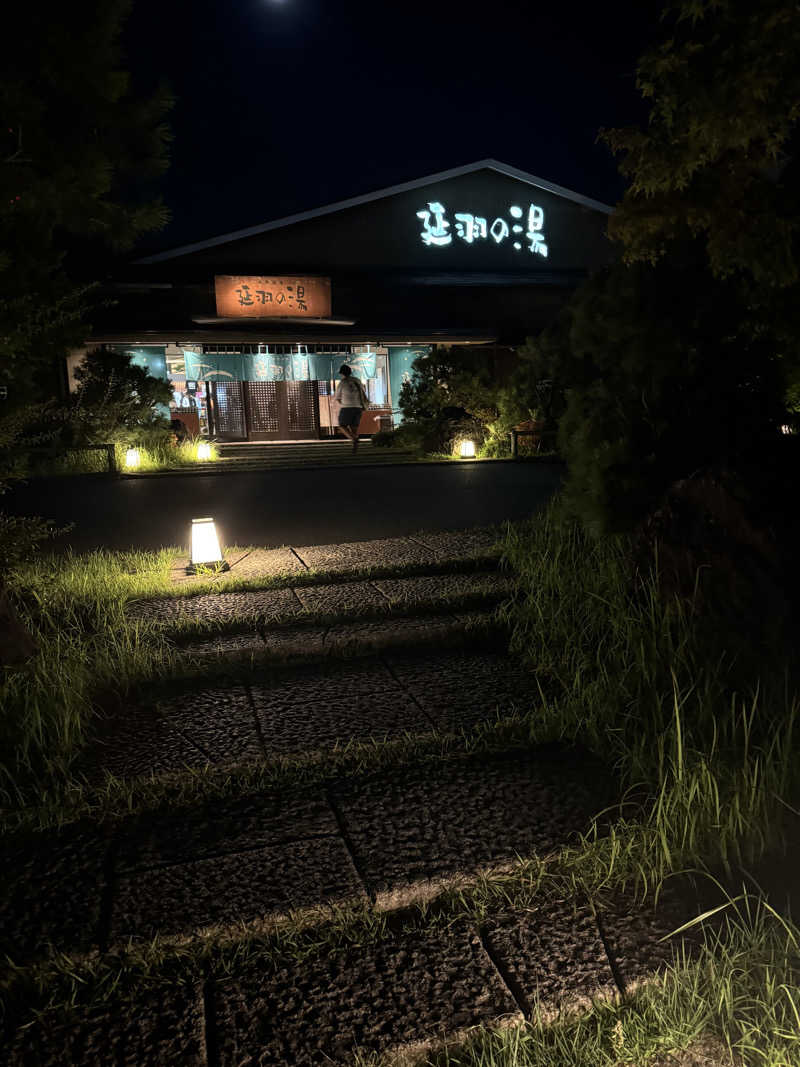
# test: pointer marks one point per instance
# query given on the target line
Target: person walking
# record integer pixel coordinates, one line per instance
(352, 396)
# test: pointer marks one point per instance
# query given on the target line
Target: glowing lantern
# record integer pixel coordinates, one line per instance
(132, 457)
(468, 450)
(205, 547)
(204, 450)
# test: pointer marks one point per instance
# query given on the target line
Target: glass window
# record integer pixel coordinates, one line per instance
(376, 387)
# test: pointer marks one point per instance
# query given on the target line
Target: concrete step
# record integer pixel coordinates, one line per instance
(290, 459)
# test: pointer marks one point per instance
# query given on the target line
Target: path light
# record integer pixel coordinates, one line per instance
(204, 450)
(206, 552)
(132, 457)
(468, 450)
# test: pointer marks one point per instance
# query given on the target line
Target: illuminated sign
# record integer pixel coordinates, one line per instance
(291, 296)
(437, 230)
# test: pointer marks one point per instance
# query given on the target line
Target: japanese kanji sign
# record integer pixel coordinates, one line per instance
(437, 230)
(251, 296)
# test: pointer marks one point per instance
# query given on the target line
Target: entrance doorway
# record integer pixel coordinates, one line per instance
(265, 411)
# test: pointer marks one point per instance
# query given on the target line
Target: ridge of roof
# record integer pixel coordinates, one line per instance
(379, 194)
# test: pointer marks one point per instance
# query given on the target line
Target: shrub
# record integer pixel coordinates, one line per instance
(384, 439)
(664, 370)
(117, 402)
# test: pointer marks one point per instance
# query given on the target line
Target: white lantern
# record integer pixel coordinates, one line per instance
(205, 547)
(468, 450)
(132, 457)
(204, 450)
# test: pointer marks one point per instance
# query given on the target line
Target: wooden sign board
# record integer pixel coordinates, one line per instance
(256, 297)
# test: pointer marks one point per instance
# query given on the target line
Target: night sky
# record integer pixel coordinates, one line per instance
(286, 105)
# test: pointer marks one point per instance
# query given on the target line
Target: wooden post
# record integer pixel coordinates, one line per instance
(513, 444)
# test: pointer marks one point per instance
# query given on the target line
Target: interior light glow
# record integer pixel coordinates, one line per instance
(205, 545)
(204, 450)
(133, 457)
(468, 450)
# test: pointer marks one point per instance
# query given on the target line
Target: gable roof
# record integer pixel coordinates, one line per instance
(380, 194)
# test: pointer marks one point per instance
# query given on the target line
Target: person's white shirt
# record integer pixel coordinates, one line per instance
(351, 393)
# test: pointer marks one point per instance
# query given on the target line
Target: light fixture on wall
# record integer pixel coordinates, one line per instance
(133, 458)
(468, 450)
(204, 450)
(205, 552)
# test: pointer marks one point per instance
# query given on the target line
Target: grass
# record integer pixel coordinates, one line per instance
(698, 720)
(165, 457)
(95, 461)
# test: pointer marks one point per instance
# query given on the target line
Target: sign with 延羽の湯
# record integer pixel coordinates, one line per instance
(259, 297)
(522, 228)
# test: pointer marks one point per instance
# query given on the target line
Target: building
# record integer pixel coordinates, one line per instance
(251, 327)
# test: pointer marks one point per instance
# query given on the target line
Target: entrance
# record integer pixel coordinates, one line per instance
(265, 411)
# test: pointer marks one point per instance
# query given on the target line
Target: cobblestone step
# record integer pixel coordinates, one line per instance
(250, 861)
(310, 708)
(416, 986)
(427, 553)
(338, 601)
(310, 644)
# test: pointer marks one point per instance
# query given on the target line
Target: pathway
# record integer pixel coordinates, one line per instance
(327, 772)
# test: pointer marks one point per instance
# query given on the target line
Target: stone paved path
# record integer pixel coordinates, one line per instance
(233, 872)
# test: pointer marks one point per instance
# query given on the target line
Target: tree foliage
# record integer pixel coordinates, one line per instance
(664, 372)
(117, 400)
(718, 160)
(678, 359)
(77, 150)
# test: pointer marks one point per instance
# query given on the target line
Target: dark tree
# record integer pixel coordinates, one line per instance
(718, 160)
(77, 153)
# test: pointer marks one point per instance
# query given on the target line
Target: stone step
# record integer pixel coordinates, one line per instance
(386, 842)
(352, 639)
(313, 707)
(426, 553)
(364, 457)
(327, 604)
(410, 992)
